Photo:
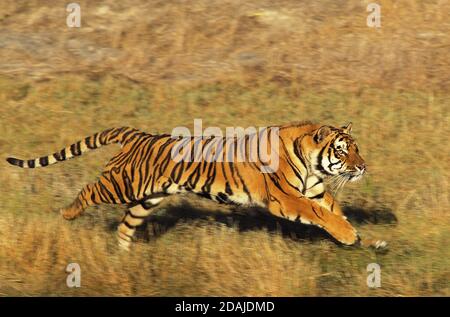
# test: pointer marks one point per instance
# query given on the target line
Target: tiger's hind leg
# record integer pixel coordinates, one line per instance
(88, 196)
(135, 217)
(102, 191)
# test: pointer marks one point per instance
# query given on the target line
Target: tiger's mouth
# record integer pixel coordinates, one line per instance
(355, 178)
(337, 182)
(355, 175)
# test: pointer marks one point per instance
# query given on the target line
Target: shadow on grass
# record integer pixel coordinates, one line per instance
(377, 215)
(253, 219)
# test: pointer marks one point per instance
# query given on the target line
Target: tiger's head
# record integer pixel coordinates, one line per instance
(337, 155)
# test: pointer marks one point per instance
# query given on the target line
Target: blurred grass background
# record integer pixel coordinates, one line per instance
(155, 65)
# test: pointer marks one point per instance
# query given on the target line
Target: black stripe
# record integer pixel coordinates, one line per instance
(75, 149)
(101, 196)
(103, 136)
(130, 213)
(193, 178)
(290, 184)
(30, 163)
(244, 186)
(300, 157)
(318, 181)
(89, 140)
(135, 157)
(14, 161)
(319, 165)
(117, 189)
(104, 191)
(166, 185)
(128, 225)
(314, 210)
(126, 134)
(148, 205)
(82, 197)
(228, 188)
(204, 194)
(114, 133)
(211, 175)
(128, 186)
(61, 156)
(231, 167)
(316, 136)
(318, 196)
(222, 198)
(276, 182)
(142, 163)
(43, 161)
(93, 197)
(177, 172)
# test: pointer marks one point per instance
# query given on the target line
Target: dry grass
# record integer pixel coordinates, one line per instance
(160, 64)
(326, 44)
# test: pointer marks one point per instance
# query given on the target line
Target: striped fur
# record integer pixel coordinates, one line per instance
(143, 173)
(90, 143)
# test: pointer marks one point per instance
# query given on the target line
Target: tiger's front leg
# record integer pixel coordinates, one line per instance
(328, 202)
(315, 190)
(308, 211)
(135, 217)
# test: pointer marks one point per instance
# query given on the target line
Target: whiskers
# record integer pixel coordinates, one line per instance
(337, 182)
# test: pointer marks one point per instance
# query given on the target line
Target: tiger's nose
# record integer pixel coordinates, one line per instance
(361, 167)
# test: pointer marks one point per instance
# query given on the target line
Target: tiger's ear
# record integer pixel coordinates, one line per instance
(347, 129)
(322, 133)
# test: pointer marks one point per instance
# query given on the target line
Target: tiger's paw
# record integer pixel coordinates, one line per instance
(349, 237)
(70, 213)
(344, 232)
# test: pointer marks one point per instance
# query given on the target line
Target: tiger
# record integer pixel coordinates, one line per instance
(145, 172)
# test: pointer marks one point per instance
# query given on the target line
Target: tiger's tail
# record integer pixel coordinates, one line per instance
(113, 135)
